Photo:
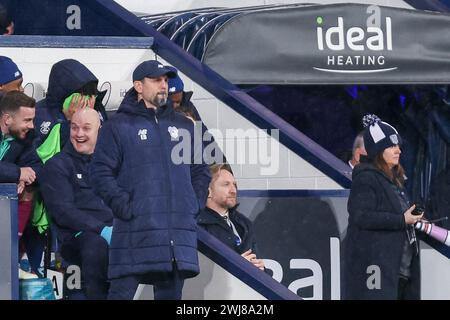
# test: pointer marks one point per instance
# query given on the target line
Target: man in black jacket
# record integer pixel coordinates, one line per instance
(82, 220)
(222, 220)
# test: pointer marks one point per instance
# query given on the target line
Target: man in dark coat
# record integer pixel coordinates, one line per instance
(222, 220)
(82, 220)
(381, 250)
(155, 198)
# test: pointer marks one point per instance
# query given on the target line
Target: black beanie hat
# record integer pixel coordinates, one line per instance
(378, 135)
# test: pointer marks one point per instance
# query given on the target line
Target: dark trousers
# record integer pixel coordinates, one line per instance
(90, 251)
(403, 284)
(35, 244)
(170, 287)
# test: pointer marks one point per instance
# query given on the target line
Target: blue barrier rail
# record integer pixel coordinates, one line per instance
(10, 243)
(77, 42)
(293, 193)
(241, 269)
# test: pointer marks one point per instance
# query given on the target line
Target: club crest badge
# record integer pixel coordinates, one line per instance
(142, 133)
(394, 138)
(173, 131)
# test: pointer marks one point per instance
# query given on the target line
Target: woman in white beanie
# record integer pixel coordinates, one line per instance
(381, 250)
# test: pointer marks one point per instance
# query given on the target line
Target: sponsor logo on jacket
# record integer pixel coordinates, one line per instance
(142, 133)
(173, 131)
(45, 127)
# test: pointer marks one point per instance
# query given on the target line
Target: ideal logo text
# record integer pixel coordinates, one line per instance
(356, 38)
(363, 48)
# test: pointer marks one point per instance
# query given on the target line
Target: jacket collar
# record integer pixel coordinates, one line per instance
(69, 149)
(210, 216)
(29, 137)
(131, 105)
(367, 166)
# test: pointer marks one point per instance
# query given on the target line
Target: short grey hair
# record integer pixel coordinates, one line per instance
(359, 142)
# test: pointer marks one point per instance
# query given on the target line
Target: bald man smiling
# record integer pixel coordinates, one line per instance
(84, 130)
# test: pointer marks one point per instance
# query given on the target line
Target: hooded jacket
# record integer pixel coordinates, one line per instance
(66, 77)
(155, 201)
(187, 105)
(375, 238)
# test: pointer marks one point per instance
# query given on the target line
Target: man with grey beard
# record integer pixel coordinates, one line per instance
(154, 199)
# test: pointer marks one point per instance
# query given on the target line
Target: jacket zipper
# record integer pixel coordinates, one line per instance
(163, 141)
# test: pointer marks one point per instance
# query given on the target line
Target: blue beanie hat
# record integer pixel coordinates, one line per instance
(8, 71)
(175, 85)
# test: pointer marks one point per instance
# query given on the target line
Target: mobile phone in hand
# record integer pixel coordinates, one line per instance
(418, 210)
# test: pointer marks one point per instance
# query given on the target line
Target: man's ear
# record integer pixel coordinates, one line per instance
(7, 119)
(137, 86)
(10, 29)
(209, 192)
